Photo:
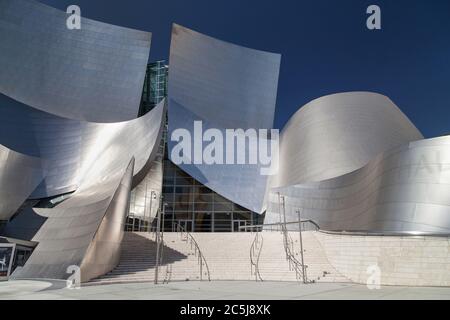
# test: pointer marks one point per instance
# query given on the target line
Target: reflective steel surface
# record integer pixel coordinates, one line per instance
(405, 189)
(68, 105)
(339, 133)
(58, 87)
(70, 147)
(354, 162)
(225, 86)
(72, 230)
(19, 176)
(94, 74)
(103, 253)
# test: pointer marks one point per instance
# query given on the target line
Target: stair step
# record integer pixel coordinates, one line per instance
(227, 255)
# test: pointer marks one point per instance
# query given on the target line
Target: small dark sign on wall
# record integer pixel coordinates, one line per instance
(6, 259)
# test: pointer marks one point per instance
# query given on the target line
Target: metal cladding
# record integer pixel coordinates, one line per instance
(145, 197)
(226, 87)
(339, 133)
(103, 253)
(354, 162)
(406, 189)
(68, 106)
(19, 176)
(69, 147)
(94, 74)
(71, 234)
(59, 89)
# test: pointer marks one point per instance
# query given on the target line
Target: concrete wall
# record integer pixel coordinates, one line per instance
(409, 261)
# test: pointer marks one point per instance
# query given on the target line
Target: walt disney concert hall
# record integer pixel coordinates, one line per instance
(87, 177)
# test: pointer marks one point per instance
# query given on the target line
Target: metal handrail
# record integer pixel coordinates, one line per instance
(293, 262)
(201, 257)
(352, 232)
(280, 224)
(387, 233)
(288, 243)
(253, 263)
(168, 275)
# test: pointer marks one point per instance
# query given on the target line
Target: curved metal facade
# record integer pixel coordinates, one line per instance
(19, 176)
(69, 147)
(69, 234)
(226, 87)
(58, 88)
(94, 74)
(406, 189)
(354, 162)
(145, 197)
(339, 133)
(348, 161)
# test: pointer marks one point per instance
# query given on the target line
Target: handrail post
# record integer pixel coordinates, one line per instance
(200, 258)
(158, 242)
(301, 245)
(157, 246)
(152, 194)
(279, 210)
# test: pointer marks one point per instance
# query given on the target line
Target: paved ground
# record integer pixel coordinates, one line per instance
(219, 290)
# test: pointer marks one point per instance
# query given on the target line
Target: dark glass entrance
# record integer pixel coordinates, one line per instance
(199, 209)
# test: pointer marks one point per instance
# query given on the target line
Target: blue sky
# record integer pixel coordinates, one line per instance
(325, 45)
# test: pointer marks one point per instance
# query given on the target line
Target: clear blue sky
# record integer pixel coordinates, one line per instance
(325, 45)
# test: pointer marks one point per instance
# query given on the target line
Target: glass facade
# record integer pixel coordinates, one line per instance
(189, 203)
(198, 208)
(155, 86)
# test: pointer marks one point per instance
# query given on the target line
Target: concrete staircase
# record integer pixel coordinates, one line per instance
(138, 260)
(227, 255)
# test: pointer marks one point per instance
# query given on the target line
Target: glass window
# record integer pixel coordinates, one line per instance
(204, 198)
(168, 181)
(203, 189)
(168, 197)
(219, 198)
(183, 181)
(223, 207)
(183, 206)
(241, 216)
(180, 189)
(183, 197)
(182, 215)
(203, 206)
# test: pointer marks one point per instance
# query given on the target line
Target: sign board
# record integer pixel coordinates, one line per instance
(6, 259)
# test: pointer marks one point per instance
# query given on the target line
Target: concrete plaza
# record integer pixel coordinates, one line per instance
(216, 290)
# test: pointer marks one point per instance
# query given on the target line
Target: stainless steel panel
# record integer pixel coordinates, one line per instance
(226, 86)
(403, 189)
(71, 226)
(103, 253)
(19, 176)
(145, 197)
(69, 147)
(339, 133)
(94, 74)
